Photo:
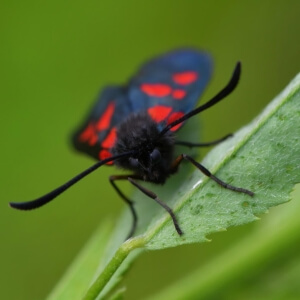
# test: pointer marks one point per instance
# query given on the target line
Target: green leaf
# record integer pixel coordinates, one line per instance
(263, 157)
(259, 250)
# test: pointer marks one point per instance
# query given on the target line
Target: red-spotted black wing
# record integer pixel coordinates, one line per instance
(170, 85)
(166, 87)
(98, 133)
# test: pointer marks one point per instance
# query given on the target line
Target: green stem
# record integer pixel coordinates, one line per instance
(112, 267)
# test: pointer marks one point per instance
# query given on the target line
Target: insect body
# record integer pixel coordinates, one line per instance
(134, 126)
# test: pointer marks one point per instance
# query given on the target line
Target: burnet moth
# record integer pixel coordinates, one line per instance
(134, 126)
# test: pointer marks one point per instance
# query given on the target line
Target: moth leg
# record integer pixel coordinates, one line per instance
(112, 180)
(156, 199)
(188, 144)
(206, 172)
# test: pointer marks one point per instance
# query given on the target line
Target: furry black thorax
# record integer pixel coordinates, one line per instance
(152, 154)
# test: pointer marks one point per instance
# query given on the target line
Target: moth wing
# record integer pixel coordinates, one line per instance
(170, 85)
(97, 134)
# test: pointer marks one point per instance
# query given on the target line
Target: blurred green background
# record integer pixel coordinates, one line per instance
(55, 56)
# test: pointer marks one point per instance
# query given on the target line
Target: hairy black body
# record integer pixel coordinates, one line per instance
(152, 154)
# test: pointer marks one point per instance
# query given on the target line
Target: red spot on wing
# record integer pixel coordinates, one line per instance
(93, 140)
(89, 135)
(178, 94)
(156, 89)
(110, 140)
(103, 154)
(185, 78)
(104, 121)
(159, 112)
(175, 116)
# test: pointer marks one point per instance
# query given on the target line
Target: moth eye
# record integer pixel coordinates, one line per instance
(134, 162)
(155, 156)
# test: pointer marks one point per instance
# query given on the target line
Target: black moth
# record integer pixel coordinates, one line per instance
(143, 142)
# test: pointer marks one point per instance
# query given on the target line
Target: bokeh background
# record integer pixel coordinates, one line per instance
(54, 58)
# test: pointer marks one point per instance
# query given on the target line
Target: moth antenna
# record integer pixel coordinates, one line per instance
(231, 85)
(53, 194)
